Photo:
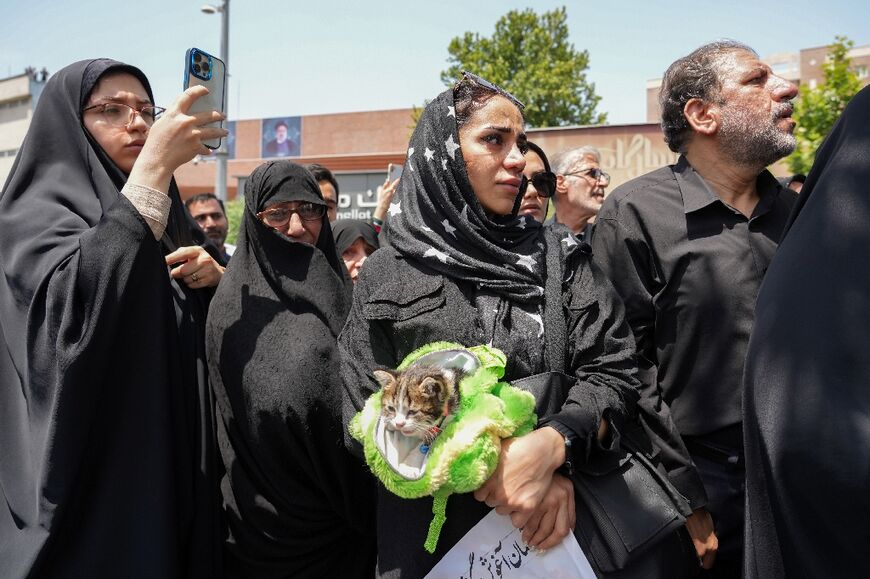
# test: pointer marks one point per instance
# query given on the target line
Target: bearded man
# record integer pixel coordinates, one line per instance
(686, 247)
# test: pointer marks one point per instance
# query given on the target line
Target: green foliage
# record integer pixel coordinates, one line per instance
(816, 110)
(529, 56)
(416, 113)
(234, 216)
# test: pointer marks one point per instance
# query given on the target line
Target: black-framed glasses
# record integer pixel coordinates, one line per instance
(493, 87)
(595, 173)
(544, 182)
(121, 115)
(279, 215)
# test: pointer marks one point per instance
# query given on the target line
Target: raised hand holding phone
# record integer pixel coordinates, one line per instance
(174, 139)
(203, 69)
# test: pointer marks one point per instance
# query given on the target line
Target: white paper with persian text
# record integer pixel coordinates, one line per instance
(494, 549)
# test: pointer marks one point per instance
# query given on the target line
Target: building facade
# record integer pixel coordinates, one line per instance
(358, 147)
(18, 97)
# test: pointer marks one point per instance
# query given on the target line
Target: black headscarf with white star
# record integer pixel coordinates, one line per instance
(435, 217)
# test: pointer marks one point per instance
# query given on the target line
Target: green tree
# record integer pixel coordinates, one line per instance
(234, 217)
(817, 109)
(529, 56)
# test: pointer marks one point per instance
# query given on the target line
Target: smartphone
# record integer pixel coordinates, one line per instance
(201, 68)
(394, 171)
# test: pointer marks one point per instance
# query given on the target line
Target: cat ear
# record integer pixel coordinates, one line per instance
(384, 377)
(430, 387)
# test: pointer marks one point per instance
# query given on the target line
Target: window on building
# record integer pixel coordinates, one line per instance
(861, 71)
(15, 103)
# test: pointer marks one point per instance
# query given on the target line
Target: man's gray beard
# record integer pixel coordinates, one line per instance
(752, 141)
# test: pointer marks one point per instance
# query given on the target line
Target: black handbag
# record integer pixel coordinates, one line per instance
(625, 505)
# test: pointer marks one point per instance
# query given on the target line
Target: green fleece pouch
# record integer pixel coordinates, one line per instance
(465, 453)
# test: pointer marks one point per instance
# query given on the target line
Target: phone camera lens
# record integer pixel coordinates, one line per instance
(205, 66)
(197, 68)
(197, 57)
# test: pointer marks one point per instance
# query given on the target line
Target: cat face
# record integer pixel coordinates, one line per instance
(415, 400)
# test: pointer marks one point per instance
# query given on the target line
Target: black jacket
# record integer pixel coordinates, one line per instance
(399, 307)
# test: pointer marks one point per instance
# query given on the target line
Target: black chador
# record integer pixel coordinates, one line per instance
(107, 452)
(297, 503)
(807, 399)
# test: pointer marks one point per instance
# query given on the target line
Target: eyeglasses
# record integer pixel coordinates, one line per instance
(279, 215)
(544, 182)
(493, 87)
(121, 115)
(596, 174)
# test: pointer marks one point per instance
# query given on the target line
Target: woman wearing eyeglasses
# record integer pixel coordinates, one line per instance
(109, 463)
(297, 503)
(464, 266)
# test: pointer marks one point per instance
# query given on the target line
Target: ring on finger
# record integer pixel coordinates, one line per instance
(194, 277)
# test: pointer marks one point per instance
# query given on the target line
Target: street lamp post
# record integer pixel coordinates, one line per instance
(222, 153)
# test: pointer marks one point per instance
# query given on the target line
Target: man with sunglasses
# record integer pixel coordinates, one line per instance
(580, 185)
(686, 247)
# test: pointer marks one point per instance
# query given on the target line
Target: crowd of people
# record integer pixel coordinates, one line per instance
(172, 405)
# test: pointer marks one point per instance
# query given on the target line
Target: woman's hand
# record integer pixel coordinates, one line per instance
(174, 139)
(524, 474)
(554, 518)
(198, 269)
(385, 197)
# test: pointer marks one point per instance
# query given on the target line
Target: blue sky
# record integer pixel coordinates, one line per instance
(293, 58)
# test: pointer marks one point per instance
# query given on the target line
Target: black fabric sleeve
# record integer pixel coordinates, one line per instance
(364, 345)
(600, 355)
(84, 407)
(627, 260)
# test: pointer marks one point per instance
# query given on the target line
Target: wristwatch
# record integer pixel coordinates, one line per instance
(569, 437)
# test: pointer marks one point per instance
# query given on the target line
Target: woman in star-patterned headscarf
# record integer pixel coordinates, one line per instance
(462, 266)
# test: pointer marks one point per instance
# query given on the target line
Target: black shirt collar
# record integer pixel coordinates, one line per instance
(697, 194)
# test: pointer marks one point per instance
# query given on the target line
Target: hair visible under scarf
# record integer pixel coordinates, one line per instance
(436, 219)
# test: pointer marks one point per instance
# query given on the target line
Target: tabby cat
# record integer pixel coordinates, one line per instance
(417, 400)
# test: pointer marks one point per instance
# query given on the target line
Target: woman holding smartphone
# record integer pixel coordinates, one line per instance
(109, 464)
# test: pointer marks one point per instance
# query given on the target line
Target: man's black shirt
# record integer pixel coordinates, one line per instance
(689, 267)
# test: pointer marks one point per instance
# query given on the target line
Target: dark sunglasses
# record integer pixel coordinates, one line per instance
(493, 87)
(545, 183)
